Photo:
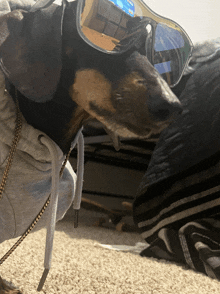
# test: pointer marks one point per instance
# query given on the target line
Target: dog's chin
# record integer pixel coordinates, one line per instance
(133, 132)
(118, 131)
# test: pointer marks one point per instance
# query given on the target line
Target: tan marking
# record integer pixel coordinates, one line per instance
(76, 122)
(130, 100)
(91, 86)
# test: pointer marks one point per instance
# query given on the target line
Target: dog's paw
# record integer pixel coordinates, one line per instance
(5, 288)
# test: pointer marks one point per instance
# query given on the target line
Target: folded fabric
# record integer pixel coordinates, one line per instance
(177, 205)
(203, 52)
(196, 244)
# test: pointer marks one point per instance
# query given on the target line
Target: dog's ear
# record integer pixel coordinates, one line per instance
(31, 50)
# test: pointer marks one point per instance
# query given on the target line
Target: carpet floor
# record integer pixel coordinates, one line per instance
(81, 265)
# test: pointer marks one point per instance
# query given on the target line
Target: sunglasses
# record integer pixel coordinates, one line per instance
(115, 26)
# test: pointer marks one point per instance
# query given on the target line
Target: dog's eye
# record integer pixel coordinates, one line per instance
(141, 82)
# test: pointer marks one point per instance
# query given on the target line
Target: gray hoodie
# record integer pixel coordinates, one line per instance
(34, 174)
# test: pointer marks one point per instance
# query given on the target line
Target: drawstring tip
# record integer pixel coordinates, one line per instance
(76, 218)
(43, 279)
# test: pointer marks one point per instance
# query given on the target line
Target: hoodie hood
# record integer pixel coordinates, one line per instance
(37, 36)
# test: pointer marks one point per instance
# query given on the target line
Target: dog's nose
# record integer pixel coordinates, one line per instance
(164, 110)
(161, 101)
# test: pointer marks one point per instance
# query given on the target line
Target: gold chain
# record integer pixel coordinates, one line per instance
(5, 176)
(13, 148)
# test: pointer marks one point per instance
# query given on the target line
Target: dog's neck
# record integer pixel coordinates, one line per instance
(60, 122)
(79, 117)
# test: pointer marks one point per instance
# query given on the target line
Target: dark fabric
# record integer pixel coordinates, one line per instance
(178, 201)
(31, 56)
(31, 48)
(196, 244)
(50, 117)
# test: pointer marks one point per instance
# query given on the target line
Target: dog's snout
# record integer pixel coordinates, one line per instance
(165, 110)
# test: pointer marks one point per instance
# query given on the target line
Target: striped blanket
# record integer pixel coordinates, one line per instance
(177, 208)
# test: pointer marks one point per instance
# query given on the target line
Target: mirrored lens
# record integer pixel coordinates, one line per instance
(105, 23)
(113, 26)
(171, 52)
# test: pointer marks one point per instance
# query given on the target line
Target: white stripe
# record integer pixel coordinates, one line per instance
(163, 235)
(178, 203)
(186, 252)
(184, 183)
(184, 244)
(195, 224)
(214, 261)
(181, 215)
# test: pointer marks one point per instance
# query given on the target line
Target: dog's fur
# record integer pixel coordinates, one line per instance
(124, 92)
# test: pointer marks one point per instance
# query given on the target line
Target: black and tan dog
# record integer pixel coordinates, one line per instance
(61, 82)
(123, 92)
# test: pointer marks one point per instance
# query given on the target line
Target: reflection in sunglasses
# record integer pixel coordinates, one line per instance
(100, 39)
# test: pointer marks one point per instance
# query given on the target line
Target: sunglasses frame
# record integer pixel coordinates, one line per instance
(150, 40)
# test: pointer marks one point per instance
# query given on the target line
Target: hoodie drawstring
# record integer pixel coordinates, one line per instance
(54, 196)
(79, 181)
(52, 208)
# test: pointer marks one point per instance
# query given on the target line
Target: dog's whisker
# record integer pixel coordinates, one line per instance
(119, 97)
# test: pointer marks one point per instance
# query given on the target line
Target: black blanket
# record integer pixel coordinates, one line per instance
(177, 208)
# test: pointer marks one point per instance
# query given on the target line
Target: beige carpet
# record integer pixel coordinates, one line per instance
(81, 265)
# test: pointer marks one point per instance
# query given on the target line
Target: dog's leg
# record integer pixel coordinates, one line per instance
(6, 289)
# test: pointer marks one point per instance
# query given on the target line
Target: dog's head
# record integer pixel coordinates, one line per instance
(124, 92)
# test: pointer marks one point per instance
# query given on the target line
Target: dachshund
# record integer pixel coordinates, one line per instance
(124, 92)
